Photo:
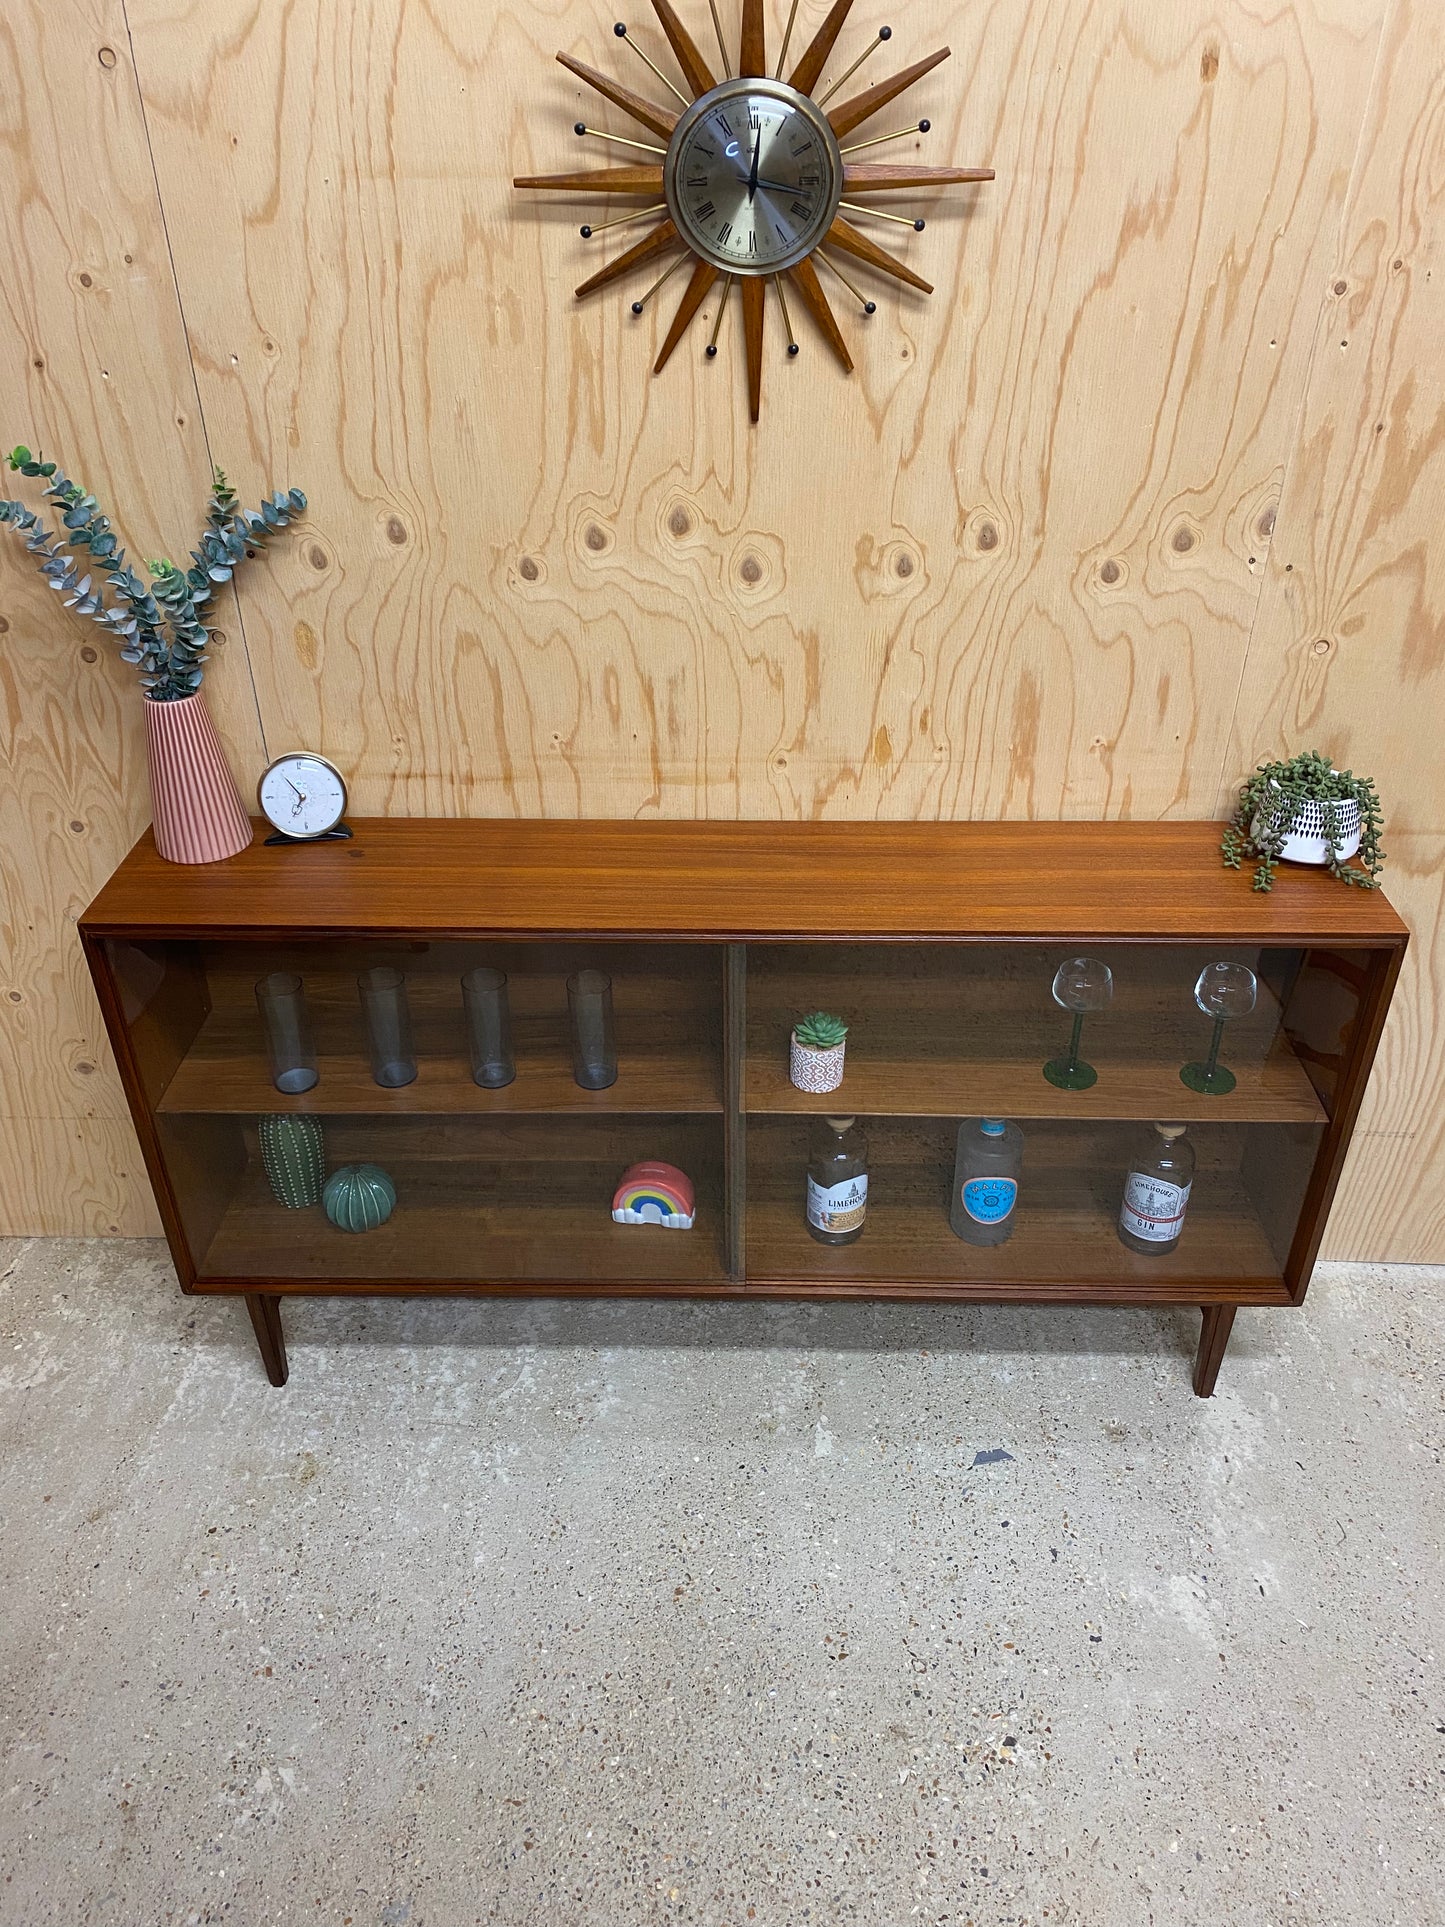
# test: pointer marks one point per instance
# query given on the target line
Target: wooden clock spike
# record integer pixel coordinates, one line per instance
(877, 177)
(695, 69)
(752, 57)
(755, 287)
(658, 242)
(806, 74)
(844, 235)
(805, 275)
(597, 180)
(658, 120)
(863, 106)
(703, 276)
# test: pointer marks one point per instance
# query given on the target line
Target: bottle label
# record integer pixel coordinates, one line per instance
(837, 1207)
(1153, 1208)
(990, 1200)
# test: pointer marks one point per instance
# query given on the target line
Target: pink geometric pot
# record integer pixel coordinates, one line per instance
(195, 805)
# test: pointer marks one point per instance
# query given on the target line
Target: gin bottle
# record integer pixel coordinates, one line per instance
(837, 1181)
(986, 1180)
(1156, 1191)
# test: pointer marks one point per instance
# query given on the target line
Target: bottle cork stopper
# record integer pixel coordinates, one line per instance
(1171, 1131)
(840, 1123)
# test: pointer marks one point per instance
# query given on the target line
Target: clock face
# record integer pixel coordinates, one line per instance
(753, 176)
(302, 795)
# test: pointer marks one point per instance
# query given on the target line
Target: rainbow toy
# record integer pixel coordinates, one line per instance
(655, 1193)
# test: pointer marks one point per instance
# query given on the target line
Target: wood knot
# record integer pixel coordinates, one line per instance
(1209, 63)
(84, 1069)
(595, 537)
(987, 535)
(317, 556)
(77, 828)
(679, 522)
(750, 569)
(396, 530)
(5, 624)
(1110, 571)
(1340, 286)
(528, 569)
(85, 281)
(903, 565)
(1183, 540)
(87, 654)
(1322, 646)
(106, 57)
(1265, 524)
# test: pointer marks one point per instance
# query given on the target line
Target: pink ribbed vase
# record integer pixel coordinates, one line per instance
(197, 810)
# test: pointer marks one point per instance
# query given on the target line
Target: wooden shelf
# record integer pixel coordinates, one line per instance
(222, 1073)
(936, 1033)
(998, 1072)
(1066, 1240)
(473, 1224)
(668, 1059)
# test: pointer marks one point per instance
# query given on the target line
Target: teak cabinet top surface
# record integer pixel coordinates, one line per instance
(1039, 882)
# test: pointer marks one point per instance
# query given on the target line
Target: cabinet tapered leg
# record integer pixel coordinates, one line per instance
(1213, 1337)
(265, 1310)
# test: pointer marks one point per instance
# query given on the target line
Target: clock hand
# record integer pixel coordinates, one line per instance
(753, 170)
(291, 786)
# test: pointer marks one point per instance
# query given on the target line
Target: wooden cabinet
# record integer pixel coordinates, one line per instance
(936, 942)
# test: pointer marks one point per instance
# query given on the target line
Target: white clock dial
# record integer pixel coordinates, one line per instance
(753, 176)
(302, 795)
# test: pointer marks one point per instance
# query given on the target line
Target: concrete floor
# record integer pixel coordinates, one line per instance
(619, 1613)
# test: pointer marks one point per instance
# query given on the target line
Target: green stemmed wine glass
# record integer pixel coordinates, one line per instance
(1080, 985)
(1224, 990)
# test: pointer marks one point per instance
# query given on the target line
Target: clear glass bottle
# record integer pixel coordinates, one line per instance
(837, 1181)
(986, 1171)
(1156, 1191)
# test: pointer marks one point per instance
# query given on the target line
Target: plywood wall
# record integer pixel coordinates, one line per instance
(1065, 545)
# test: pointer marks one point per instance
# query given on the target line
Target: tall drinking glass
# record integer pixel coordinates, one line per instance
(489, 1027)
(388, 1026)
(594, 1045)
(1224, 990)
(289, 1043)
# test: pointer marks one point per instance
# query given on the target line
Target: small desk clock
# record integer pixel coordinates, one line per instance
(303, 798)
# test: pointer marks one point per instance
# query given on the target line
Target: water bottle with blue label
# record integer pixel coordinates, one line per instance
(986, 1180)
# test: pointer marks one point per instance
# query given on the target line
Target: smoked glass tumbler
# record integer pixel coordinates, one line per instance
(289, 1043)
(489, 1027)
(388, 1026)
(594, 1044)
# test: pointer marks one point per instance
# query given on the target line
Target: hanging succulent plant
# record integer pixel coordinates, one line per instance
(158, 627)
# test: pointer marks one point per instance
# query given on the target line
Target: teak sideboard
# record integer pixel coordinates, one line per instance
(937, 942)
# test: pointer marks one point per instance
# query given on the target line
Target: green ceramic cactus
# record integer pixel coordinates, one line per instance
(358, 1197)
(294, 1158)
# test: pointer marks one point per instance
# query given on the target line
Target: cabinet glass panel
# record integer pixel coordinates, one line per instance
(493, 1184)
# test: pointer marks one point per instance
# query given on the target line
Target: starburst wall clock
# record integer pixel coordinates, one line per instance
(756, 183)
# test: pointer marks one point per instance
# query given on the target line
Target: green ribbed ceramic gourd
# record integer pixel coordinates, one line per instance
(294, 1158)
(358, 1197)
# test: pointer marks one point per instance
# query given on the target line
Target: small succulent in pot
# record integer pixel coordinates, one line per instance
(815, 1058)
(1304, 810)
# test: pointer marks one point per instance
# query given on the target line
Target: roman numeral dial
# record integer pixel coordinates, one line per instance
(752, 176)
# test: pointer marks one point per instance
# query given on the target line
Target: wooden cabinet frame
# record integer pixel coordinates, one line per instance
(938, 937)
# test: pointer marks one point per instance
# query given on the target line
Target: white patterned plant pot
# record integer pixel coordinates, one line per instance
(1305, 838)
(815, 1070)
